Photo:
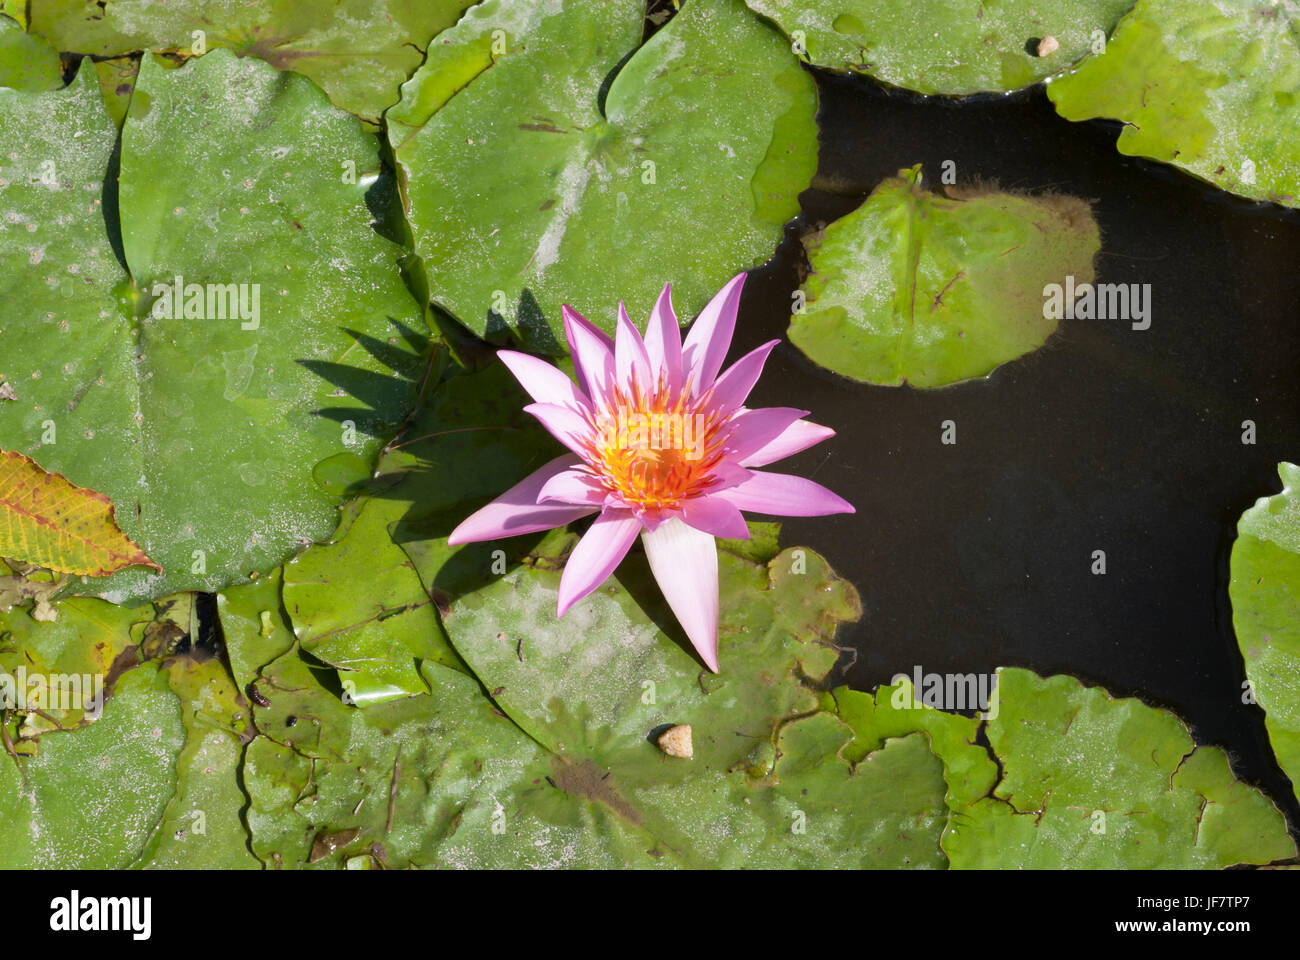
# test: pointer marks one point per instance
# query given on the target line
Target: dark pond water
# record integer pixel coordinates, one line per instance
(978, 555)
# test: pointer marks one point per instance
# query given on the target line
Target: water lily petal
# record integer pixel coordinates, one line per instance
(797, 437)
(663, 341)
(732, 388)
(600, 550)
(593, 354)
(709, 339)
(517, 512)
(631, 362)
(715, 516)
(785, 495)
(545, 382)
(684, 562)
(575, 485)
(752, 430)
(569, 427)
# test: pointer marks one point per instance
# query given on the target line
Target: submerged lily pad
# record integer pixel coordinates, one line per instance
(928, 289)
(203, 428)
(945, 46)
(1210, 86)
(357, 51)
(1265, 594)
(548, 159)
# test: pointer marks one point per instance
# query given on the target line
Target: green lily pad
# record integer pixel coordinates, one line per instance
(548, 158)
(1090, 781)
(357, 51)
(433, 780)
(928, 289)
(26, 63)
(358, 604)
(945, 46)
(1210, 86)
(92, 799)
(767, 784)
(202, 826)
(255, 626)
(1265, 594)
(203, 432)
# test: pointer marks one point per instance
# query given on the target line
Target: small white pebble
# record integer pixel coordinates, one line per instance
(1049, 44)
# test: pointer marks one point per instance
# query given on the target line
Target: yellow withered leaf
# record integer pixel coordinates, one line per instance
(48, 520)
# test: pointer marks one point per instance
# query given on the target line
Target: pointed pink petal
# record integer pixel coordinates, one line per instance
(545, 382)
(600, 550)
(715, 516)
(592, 351)
(785, 495)
(709, 339)
(516, 511)
(631, 363)
(732, 388)
(569, 427)
(684, 562)
(799, 436)
(576, 486)
(752, 430)
(663, 341)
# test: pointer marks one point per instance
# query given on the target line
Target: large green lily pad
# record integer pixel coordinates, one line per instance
(928, 289)
(1210, 86)
(541, 168)
(92, 799)
(203, 431)
(945, 46)
(1088, 781)
(1265, 593)
(357, 51)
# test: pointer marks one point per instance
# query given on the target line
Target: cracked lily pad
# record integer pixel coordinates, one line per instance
(597, 688)
(945, 46)
(1210, 86)
(1265, 594)
(433, 781)
(203, 428)
(548, 159)
(1087, 781)
(927, 289)
(357, 51)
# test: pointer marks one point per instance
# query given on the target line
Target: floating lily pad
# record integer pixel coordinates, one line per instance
(202, 826)
(26, 63)
(945, 46)
(91, 799)
(1265, 593)
(568, 159)
(928, 289)
(1210, 86)
(204, 431)
(358, 604)
(1090, 781)
(357, 51)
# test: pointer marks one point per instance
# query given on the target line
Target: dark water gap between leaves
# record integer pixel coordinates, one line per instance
(978, 555)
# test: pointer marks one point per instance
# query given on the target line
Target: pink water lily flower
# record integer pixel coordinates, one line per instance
(661, 446)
